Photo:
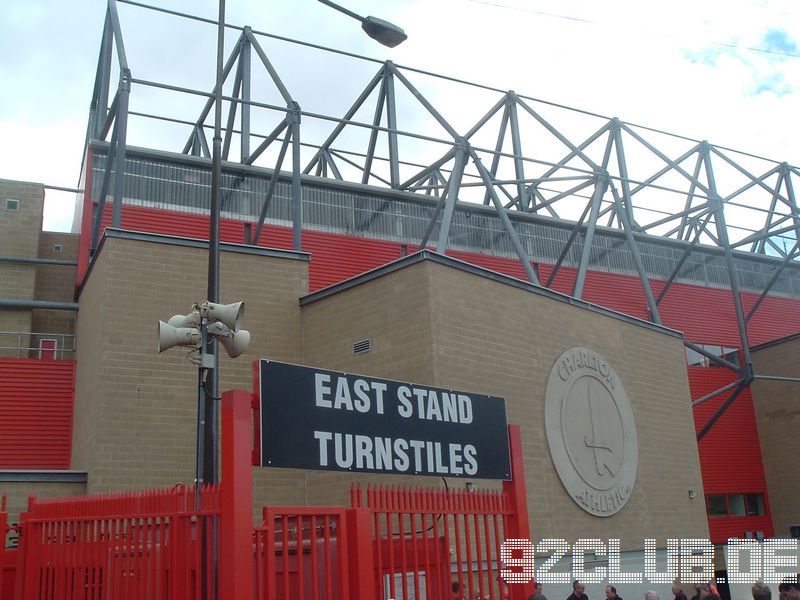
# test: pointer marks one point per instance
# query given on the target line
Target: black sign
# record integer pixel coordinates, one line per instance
(325, 420)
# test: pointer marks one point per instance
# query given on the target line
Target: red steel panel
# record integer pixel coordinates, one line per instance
(36, 400)
(730, 453)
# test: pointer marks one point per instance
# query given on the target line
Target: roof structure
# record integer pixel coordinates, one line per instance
(521, 167)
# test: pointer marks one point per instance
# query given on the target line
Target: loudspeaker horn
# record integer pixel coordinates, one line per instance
(169, 336)
(190, 320)
(229, 315)
(234, 342)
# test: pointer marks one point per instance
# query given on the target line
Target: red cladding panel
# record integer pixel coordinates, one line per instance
(730, 453)
(36, 413)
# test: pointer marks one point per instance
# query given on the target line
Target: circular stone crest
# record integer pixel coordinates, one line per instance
(591, 431)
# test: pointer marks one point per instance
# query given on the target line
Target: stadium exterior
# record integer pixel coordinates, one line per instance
(672, 259)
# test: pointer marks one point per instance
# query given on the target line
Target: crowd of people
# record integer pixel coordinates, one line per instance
(788, 590)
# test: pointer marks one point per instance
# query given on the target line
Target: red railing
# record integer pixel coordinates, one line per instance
(126, 546)
(429, 540)
(301, 553)
(6, 578)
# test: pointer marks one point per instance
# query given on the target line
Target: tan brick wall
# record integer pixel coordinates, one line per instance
(495, 339)
(394, 313)
(19, 231)
(135, 412)
(19, 238)
(437, 325)
(17, 494)
(12, 323)
(56, 283)
(777, 409)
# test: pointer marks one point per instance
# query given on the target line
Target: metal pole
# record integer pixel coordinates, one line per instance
(210, 390)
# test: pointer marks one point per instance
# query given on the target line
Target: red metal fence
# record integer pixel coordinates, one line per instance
(123, 546)
(302, 553)
(428, 540)
(397, 543)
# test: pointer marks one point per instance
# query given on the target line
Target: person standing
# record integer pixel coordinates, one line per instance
(678, 592)
(611, 593)
(578, 591)
(537, 594)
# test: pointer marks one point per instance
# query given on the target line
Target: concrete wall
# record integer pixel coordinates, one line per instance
(135, 410)
(438, 325)
(777, 409)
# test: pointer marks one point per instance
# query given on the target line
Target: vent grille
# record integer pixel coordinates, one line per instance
(362, 346)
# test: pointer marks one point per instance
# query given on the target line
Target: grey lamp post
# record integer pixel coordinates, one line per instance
(382, 31)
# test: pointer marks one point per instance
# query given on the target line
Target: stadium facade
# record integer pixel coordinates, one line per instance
(481, 278)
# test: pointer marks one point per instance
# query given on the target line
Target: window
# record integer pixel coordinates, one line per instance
(58, 248)
(754, 504)
(12, 205)
(717, 506)
(695, 359)
(736, 505)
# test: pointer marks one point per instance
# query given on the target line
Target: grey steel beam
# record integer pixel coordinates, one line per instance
(422, 100)
(452, 194)
(101, 201)
(293, 119)
(38, 261)
(287, 97)
(673, 164)
(624, 218)
(373, 135)
(713, 357)
(565, 250)
(722, 409)
(270, 192)
(686, 254)
(377, 79)
(791, 255)
(14, 304)
(267, 141)
(722, 234)
(575, 150)
(237, 84)
(245, 64)
(776, 378)
(524, 258)
(626, 203)
(122, 58)
(102, 83)
(226, 70)
(715, 393)
(601, 184)
(391, 122)
(121, 127)
(516, 145)
(501, 135)
(328, 160)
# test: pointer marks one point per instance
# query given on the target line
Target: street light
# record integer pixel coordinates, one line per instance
(382, 31)
(379, 30)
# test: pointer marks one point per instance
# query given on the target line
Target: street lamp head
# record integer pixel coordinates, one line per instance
(384, 32)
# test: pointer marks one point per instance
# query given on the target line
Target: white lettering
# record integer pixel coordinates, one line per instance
(322, 390)
(324, 437)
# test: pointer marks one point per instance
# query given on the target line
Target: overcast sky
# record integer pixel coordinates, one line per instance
(728, 72)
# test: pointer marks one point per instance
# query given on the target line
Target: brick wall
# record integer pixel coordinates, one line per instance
(438, 325)
(55, 283)
(135, 410)
(778, 417)
(19, 238)
(17, 493)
